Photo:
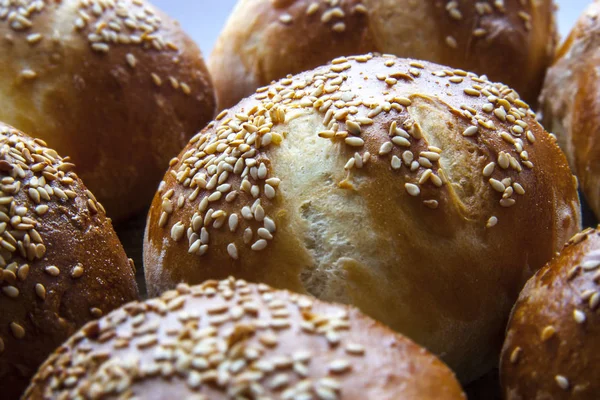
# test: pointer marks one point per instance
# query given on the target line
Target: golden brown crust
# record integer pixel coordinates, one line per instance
(571, 104)
(551, 345)
(61, 263)
(91, 92)
(229, 338)
(511, 41)
(407, 201)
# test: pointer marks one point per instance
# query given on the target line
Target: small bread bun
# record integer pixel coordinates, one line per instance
(553, 337)
(571, 102)
(115, 84)
(423, 195)
(230, 339)
(61, 263)
(510, 41)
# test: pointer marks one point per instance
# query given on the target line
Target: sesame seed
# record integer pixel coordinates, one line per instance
(52, 271)
(472, 92)
(17, 330)
(514, 356)
(547, 333)
(400, 141)
(177, 231)
(10, 291)
(450, 41)
(355, 349)
(493, 221)
(396, 163)
(562, 382)
(259, 245)
(232, 251)
(339, 366)
(470, 131)
(497, 185)
(40, 291)
(579, 316)
(354, 141)
(412, 189)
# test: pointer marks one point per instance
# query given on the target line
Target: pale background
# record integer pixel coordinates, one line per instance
(203, 19)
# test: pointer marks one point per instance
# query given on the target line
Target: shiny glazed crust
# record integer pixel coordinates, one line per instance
(571, 103)
(119, 88)
(552, 339)
(226, 339)
(61, 263)
(512, 41)
(390, 184)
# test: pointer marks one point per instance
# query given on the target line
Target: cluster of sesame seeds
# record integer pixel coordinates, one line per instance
(330, 12)
(32, 178)
(503, 108)
(482, 9)
(227, 336)
(588, 301)
(225, 173)
(105, 23)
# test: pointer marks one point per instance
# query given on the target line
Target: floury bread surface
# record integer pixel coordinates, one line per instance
(426, 196)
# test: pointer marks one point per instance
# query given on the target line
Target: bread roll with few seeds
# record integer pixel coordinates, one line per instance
(117, 85)
(511, 41)
(571, 102)
(552, 339)
(61, 263)
(424, 195)
(230, 339)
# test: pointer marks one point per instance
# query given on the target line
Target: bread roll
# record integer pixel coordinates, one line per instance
(117, 85)
(391, 184)
(511, 41)
(230, 339)
(571, 102)
(552, 342)
(61, 263)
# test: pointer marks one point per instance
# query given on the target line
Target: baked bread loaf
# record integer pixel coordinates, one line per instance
(571, 102)
(552, 341)
(230, 339)
(61, 263)
(510, 41)
(391, 184)
(115, 84)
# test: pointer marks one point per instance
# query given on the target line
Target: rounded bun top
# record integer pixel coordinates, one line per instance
(364, 181)
(511, 41)
(115, 84)
(61, 263)
(553, 338)
(571, 105)
(231, 339)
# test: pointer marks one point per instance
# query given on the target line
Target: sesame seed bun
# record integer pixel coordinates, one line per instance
(61, 263)
(230, 339)
(510, 41)
(571, 102)
(117, 85)
(552, 339)
(399, 186)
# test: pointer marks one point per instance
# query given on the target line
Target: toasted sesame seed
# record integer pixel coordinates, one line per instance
(17, 330)
(514, 356)
(10, 291)
(493, 221)
(52, 270)
(400, 141)
(285, 18)
(547, 333)
(497, 185)
(396, 163)
(40, 291)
